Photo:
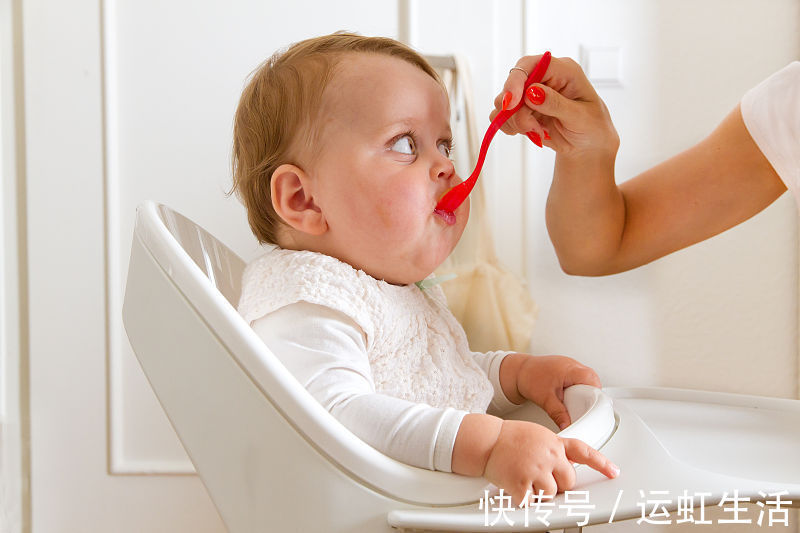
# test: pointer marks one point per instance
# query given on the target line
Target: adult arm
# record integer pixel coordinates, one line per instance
(598, 227)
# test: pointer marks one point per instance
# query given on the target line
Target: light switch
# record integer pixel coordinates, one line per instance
(601, 64)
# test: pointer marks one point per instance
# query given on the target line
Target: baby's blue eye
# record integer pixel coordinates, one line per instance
(445, 148)
(404, 145)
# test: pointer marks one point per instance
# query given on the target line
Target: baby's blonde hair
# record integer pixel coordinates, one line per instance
(279, 105)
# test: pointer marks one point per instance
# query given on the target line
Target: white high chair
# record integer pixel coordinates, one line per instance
(273, 459)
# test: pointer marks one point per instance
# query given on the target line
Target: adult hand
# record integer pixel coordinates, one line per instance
(564, 110)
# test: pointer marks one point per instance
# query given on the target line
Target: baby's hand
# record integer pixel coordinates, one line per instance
(542, 380)
(528, 456)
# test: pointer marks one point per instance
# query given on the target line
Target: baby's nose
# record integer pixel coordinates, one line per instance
(443, 169)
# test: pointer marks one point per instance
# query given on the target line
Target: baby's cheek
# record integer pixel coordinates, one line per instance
(401, 210)
(372, 210)
(386, 216)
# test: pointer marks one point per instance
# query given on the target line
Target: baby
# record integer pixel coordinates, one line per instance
(341, 150)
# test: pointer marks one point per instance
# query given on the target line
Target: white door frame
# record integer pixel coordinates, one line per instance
(14, 426)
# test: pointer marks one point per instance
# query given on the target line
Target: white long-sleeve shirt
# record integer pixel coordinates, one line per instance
(326, 351)
(391, 363)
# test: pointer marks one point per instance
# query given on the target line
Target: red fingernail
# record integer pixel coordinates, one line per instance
(506, 100)
(535, 95)
(535, 139)
(546, 135)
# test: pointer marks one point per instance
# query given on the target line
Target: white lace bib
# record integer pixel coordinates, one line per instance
(417, 350)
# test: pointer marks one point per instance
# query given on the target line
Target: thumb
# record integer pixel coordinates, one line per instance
(556, 409)
(550, 102)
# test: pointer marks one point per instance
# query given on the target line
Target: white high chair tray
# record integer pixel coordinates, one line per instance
(670, 444)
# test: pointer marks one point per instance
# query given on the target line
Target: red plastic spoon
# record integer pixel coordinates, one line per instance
(453, 198)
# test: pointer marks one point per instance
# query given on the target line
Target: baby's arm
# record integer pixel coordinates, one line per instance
(326, 351)
(493, 364)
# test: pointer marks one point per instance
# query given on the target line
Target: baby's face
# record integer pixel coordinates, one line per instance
(382, 166)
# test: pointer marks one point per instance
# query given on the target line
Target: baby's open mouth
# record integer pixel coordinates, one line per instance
(448, 216)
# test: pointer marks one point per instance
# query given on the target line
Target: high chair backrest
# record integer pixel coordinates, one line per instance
(222, 267)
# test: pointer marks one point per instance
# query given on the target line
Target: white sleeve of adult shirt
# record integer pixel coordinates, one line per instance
(771, 113)
(326, 351)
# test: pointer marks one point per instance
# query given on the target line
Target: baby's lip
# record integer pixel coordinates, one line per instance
(448, 216)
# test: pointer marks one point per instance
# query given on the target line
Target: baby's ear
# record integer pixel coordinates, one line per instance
(293, 199)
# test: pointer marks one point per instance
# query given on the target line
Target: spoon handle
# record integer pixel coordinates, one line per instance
(454, 197)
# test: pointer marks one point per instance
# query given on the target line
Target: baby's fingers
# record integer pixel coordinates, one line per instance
(578, 451)
(582, 375)
(564, 475)
(557, 411)
(546, 484)
(519, 493)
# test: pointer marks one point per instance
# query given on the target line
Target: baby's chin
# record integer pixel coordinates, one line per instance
(405, 279)
(431, 268)
(410, 267)
(408, 275)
